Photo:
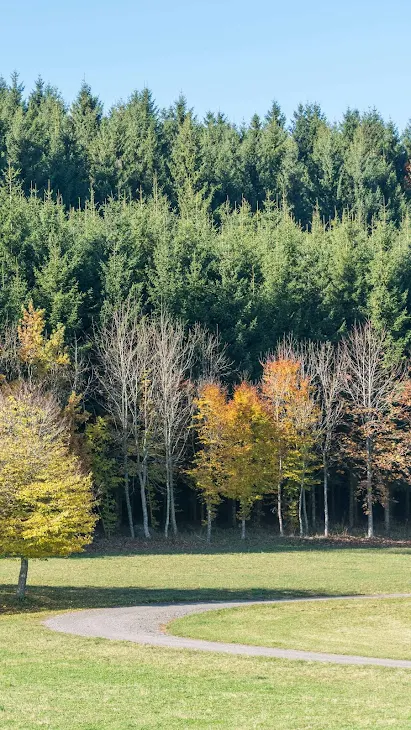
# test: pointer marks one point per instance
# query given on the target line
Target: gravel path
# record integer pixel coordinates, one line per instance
(146, 625)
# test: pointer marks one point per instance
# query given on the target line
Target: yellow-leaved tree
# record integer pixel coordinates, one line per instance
(42, 355)
(250, 460)
(46, 502)
(208, 470)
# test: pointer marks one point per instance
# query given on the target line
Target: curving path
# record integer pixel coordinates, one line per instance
(147, 625)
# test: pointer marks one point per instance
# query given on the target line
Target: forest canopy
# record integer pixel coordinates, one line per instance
(251, 232)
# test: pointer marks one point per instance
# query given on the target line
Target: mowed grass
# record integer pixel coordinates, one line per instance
(377, 628)
(49, 680)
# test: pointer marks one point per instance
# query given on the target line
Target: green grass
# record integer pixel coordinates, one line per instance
(58, 682)
(367, 628)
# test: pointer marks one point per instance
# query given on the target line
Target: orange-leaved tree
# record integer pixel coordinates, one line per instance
(208, 470)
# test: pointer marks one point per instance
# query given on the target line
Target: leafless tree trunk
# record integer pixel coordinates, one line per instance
(371, 383)
(209, 522)
(127, 485)
(313, 509)
(300, 512)
(243, 528)
(370, 516)
(175, 352)
(305, 515)
(114, 343)
(279, 503)
(351, 507)
(387, 510)
(325, 366)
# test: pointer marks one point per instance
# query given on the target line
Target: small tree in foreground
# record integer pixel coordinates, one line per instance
(46, 504)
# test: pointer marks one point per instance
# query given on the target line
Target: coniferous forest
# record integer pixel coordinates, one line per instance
(263, 260)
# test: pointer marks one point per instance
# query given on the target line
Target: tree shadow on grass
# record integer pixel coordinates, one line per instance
(62, 598)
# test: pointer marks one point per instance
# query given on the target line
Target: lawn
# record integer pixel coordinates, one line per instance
(368, 628)
(49, 680)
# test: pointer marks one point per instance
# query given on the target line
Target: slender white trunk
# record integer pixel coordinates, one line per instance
(300, 512)
(369, 488)
(22, 582)
(168, 501)
(313, 510)
(209, 521)
(172, 503)
(243, 528)
(305, 516)
(326, 512)
(143, 481)
(280, 510)
(279, 501)
(387, 511)
(351, 507)
(127, 489)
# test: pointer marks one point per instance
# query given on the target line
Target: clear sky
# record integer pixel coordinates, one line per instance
(223, 55)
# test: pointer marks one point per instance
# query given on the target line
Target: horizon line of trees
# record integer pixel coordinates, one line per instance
(82, 154)
(170, 416)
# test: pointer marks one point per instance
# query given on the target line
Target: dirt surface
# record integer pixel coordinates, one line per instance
(146, 624)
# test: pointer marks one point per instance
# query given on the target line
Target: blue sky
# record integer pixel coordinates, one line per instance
(230, 56)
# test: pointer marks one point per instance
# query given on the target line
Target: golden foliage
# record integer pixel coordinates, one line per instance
(46, 503)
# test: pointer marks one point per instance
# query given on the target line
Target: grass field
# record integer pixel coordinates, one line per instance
(377, 628)
(59, 682)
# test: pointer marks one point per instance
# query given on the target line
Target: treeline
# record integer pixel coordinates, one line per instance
(361, 164)
(254, 276)
(167, 420)
(245, 233)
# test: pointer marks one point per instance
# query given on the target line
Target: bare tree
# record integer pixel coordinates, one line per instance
(371, 383)
(325, 363)
(141, 384)
(174, 358)
(114, 343)
(212, 363)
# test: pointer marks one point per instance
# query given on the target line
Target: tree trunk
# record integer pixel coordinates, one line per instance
(127, 490)
(351, 507)
(172, 504)
(326, 512)
(209, 520)
(300, 511)
(168, 501)
(22, 582)
(370, 531)
(387, 511)
(144, 505)
(243, 528)
(305, 516)
(313, 510)
(280, 511)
